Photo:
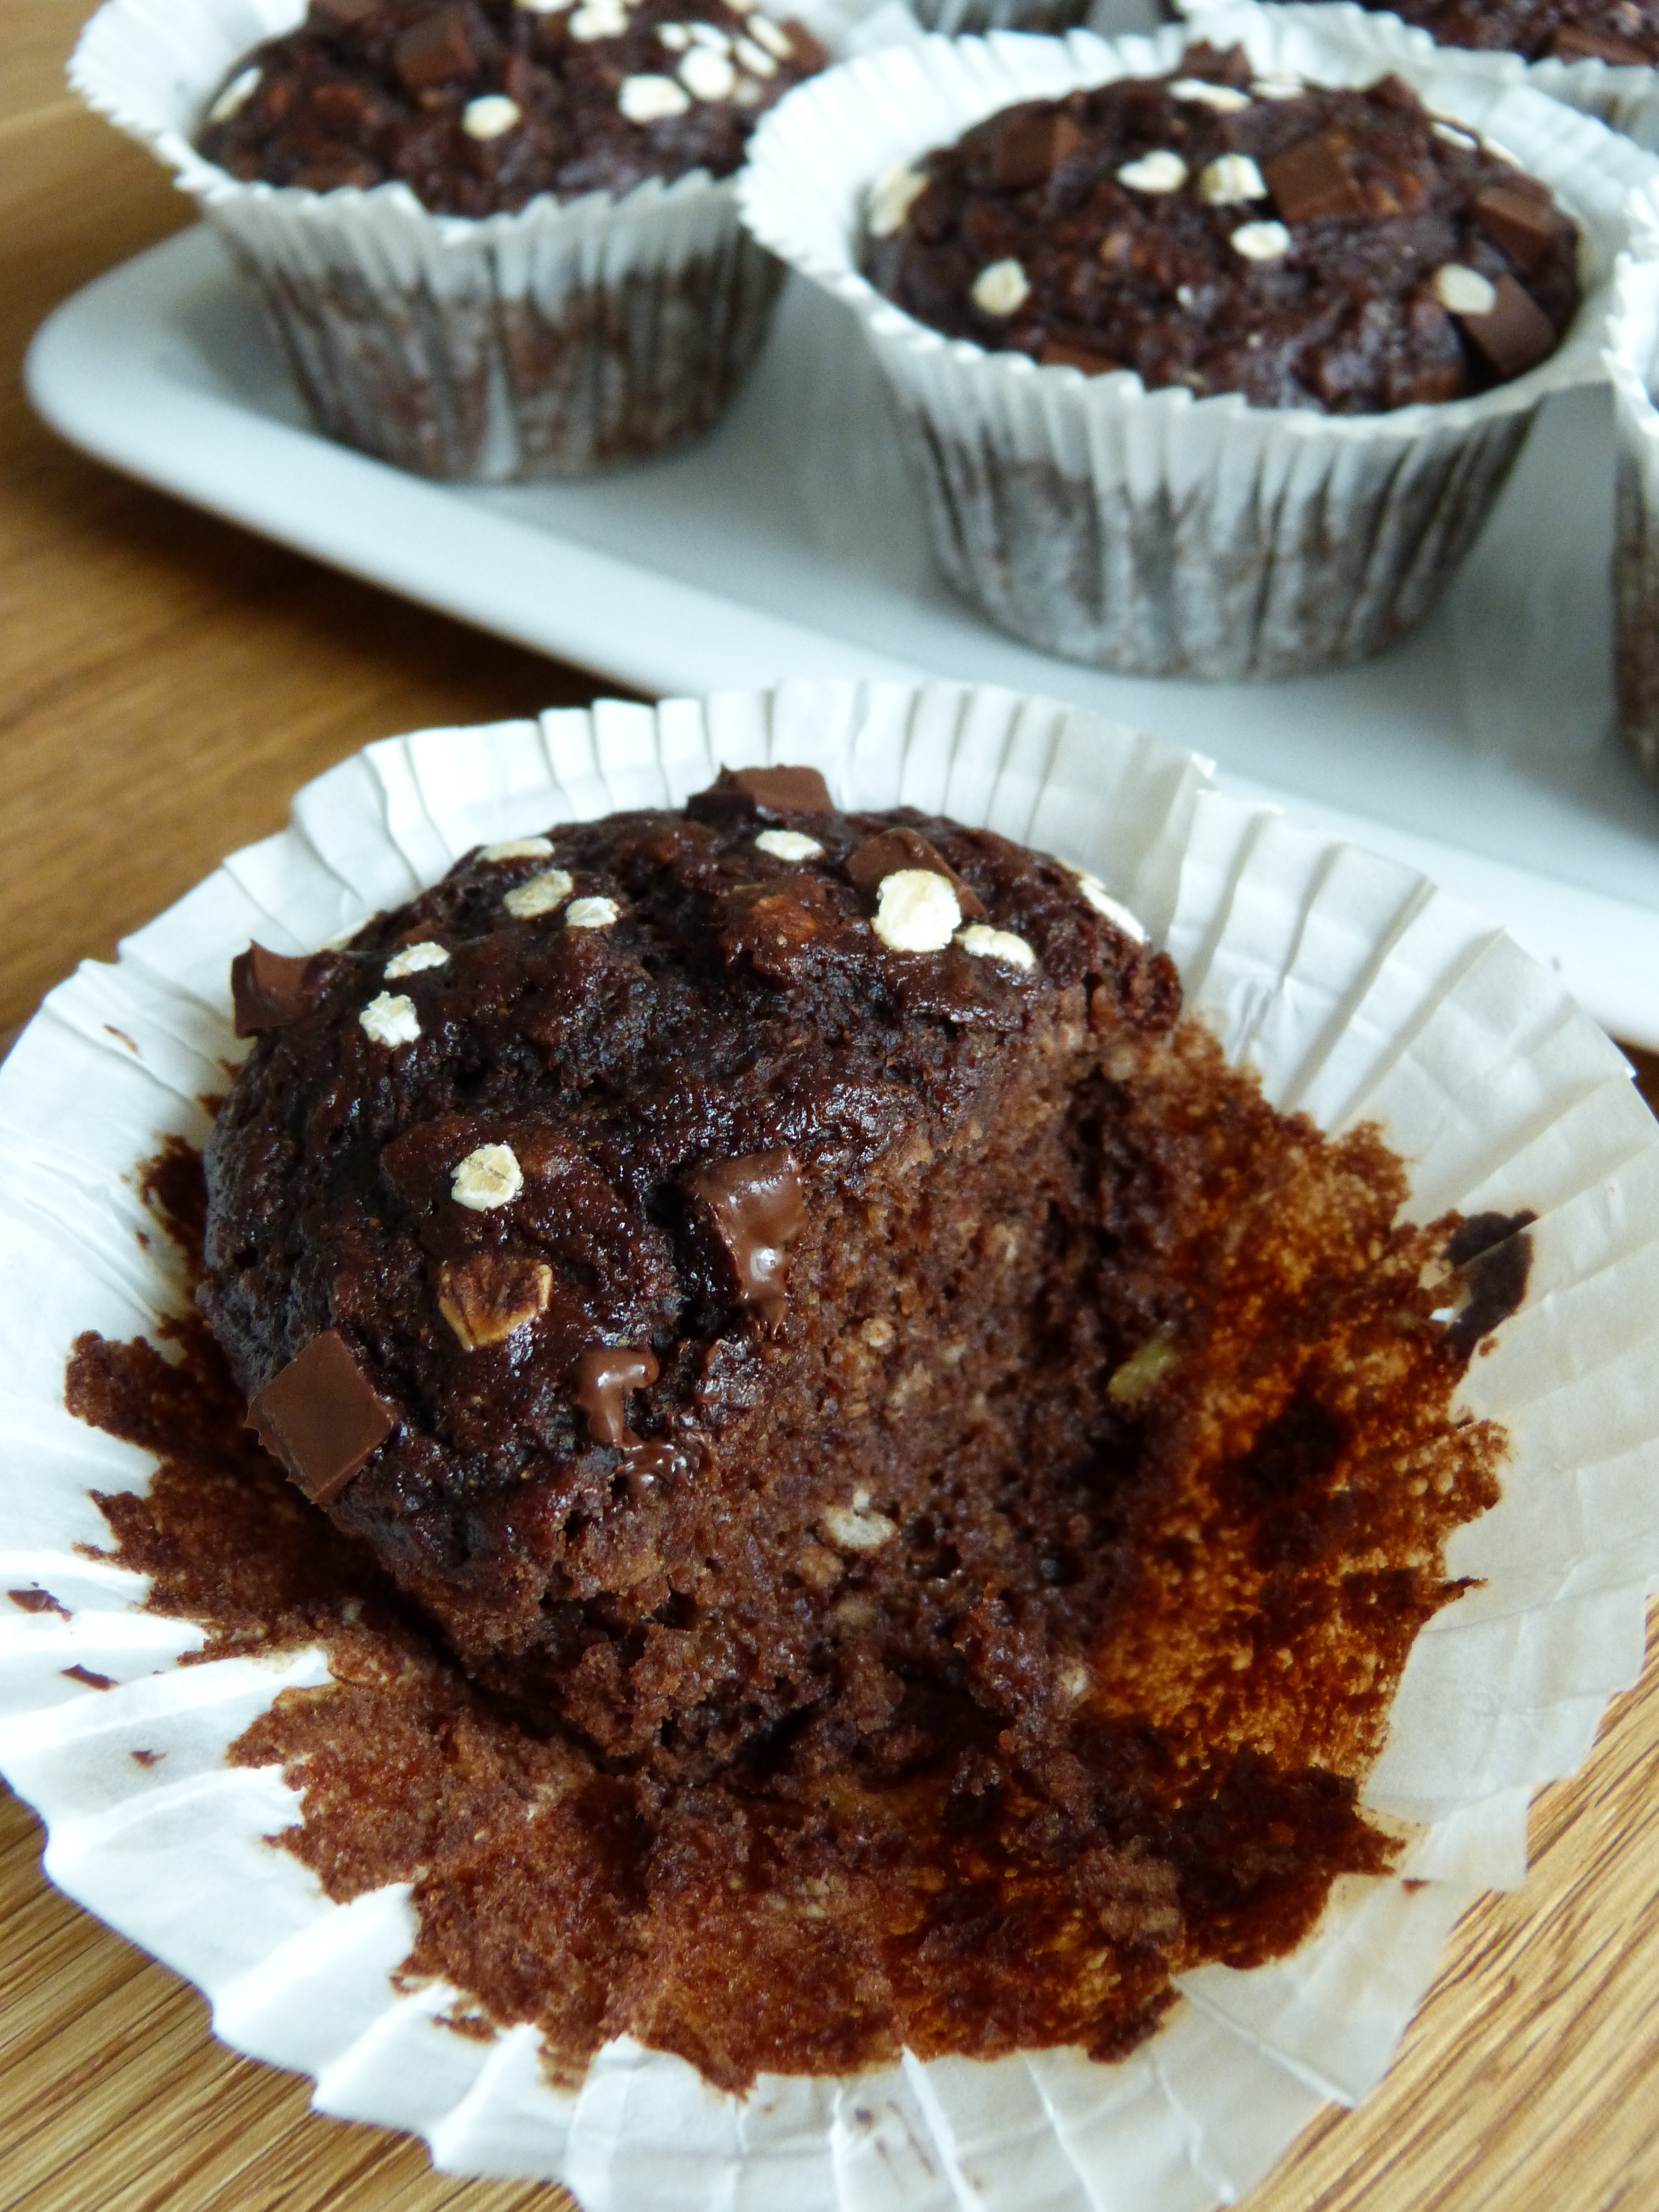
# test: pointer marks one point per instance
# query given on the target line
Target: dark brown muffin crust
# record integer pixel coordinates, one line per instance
(481, 106)
(1625, 32)
(1315, 246)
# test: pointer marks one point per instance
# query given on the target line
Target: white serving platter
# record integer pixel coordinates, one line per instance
(1481, 751)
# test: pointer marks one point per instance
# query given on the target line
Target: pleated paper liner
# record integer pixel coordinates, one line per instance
(1633, 364)
(1357, 989)
(1152, 532)
(567, 338)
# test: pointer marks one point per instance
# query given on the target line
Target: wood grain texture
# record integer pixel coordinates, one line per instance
(168, 683)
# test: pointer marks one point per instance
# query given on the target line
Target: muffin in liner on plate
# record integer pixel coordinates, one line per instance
(610, 316)
(1155, 532)
(1358, 993)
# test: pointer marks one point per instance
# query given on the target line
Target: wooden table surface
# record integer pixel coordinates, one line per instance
(195, 676)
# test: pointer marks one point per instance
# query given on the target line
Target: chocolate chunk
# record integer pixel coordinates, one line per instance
(1312, 180)
(1031, 147)
(779, 790)
(321, 1417)
(1393, 92)
(1495, 1256)
(491, 1296)
(757, 1208)
(1515, 335)
(1064, 353)
(269, 991)
(37, 1600)
(1217, 64)
(86, 1674)
(868, 864)
(434, 49)
(605, 1375)
(147, 1758)
(1572, 42)
(1520, 222)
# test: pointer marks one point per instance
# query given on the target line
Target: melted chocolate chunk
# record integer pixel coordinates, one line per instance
(38, 1601)
(605, 1374)
(269, 991)
(1062, 353)
(1495, 1255)
(1523, 225)
(758, 1208)
(1031, 145)
(1312, 180)
(869, 865)
(779, 790)
(434, 49)
(321, 1417)
(1516, 334)
(94, 1682)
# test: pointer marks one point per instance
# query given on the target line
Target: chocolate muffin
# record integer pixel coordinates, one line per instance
(699, 1252)
(1624, 33)
(574, 1231)
(1314, 246)
(480, 105)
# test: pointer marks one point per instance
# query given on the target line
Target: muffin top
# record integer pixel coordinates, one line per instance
(481, 105)
(1625, 32)
(1306, 245)
(595, 1016)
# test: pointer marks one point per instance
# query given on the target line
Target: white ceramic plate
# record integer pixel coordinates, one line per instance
(1480, 752)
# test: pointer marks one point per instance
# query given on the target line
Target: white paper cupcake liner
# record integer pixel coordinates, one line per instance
(953, 17)
(1359, 993)
(1624, 99)
(1632, 365)
(1152, 532)
(567, 338)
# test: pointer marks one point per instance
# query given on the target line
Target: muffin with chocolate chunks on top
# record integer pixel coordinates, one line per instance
(1215, 373)
(543, 1215)
(1326, 246)
(496, 238)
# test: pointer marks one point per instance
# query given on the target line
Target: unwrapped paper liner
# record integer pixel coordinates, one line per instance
(1633, 364)
(1358, 992)
(565, 338)
(1626, 99)
(1152, 532)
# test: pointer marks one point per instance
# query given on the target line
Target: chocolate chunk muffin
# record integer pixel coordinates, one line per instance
(561, 287)
(480, 105)
(575, 1232)
(704, 1254)
(1624, 33)
(1307, 246)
